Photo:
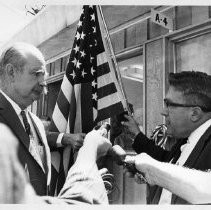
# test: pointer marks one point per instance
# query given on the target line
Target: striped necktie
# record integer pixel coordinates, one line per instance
(25, 122)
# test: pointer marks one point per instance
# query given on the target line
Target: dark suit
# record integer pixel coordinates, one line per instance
(38, 178)
(200, 158)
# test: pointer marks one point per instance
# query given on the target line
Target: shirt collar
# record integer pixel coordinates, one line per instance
(15, 106)
(196, 134)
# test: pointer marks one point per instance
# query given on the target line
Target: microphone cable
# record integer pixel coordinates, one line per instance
(110, 185)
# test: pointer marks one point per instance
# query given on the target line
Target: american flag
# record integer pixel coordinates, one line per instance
(89, 91)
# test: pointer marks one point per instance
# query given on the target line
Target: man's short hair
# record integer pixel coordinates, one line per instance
(12, 56)
(195, 86)
(15, 55)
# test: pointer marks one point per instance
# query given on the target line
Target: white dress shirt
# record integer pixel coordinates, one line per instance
(186, 150)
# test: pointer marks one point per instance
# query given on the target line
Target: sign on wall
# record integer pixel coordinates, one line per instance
(161, 19)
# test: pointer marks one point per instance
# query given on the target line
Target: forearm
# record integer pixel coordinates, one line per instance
(87, 153)
(143, 144)
(84, 182)
(189, 184)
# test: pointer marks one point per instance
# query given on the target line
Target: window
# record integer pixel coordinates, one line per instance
(131, 71)
(194, 54)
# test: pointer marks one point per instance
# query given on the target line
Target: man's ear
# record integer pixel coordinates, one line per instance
(196, 114)
(10, 71)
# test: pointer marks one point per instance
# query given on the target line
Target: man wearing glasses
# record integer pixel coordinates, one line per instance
(187, 112)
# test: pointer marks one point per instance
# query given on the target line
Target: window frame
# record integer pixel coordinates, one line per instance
(174, 38)
(125, 54)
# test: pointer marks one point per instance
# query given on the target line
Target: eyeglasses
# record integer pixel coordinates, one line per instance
(172, 104)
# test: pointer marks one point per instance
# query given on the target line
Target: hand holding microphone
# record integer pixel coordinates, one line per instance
(132, 171)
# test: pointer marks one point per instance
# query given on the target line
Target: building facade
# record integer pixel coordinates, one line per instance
(145, 51)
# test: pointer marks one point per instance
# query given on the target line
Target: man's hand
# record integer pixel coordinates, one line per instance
(131, 124)
(74, 140)
(142, 162)
(95, 137)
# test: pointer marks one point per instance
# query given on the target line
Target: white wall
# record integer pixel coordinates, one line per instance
(47, 23)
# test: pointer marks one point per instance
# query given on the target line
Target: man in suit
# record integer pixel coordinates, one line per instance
(22, 80)
(187, 111)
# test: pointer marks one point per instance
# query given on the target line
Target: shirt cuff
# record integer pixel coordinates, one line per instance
(59, 140)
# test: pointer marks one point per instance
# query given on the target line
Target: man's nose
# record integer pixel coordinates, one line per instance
(164, 111)
(44, 86)
(43, 83)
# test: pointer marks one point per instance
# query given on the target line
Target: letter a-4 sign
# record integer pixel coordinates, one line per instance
(161, 19)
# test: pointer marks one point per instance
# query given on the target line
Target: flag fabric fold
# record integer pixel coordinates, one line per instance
(89, 91)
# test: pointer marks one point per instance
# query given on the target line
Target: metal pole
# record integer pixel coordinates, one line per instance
(114, 58)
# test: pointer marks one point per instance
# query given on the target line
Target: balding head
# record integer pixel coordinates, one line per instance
(22, 73)
(16, 55)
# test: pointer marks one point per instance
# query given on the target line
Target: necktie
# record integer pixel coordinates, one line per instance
(25, 122)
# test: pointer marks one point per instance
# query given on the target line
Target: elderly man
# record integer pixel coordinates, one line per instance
(22, 80)
(187, 110)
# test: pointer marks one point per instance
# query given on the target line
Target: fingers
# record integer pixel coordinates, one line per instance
(132, 164)
(139, 178)
(80, 138)
(96, 139)
(130, 159)
(83, 135)
(128, 117)
(75, 140)
(103, 130)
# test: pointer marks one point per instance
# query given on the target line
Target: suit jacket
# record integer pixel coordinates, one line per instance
(39, 179)
(200, 158)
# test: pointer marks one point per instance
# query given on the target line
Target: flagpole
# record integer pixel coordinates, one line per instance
(114, 59)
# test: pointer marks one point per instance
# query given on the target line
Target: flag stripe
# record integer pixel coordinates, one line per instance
(89, 91)
(59, 119)
(101, 58)
(53, 127)
(66, 88)
(86, 109)
(76, 126)
(111, 99)
(106, 90)
(63, 105)
(104, 80)
(103, 69)
(72, 113)
(104, 113)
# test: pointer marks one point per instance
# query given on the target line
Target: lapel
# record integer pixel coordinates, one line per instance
(194, 156)
(198, 149)
(42, 136)
(13, 121)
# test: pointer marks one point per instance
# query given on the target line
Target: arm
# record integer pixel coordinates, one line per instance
(84, 182)
(56, 139)
(141, 142)
(189, 184)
